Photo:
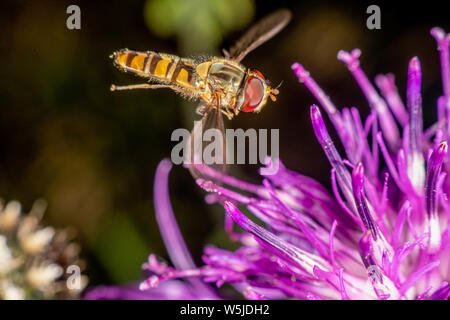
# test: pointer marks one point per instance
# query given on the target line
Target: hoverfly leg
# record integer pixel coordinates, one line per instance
(131, 87)
(149, 86)
(234, 107)
(228, 113)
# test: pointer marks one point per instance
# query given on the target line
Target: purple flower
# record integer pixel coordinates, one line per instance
(170, 290)
(383, 233)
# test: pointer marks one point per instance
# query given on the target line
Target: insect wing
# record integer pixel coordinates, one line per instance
(262, 31)
(207, 146)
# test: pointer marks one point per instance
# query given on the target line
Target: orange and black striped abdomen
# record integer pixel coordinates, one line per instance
(158, 66)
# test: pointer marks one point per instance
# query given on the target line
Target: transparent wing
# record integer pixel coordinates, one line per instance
(260, 33)
(207, 145)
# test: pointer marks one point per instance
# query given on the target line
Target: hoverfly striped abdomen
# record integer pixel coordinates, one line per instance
(161, 67)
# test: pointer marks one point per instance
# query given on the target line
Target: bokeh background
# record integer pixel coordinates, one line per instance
(92, 153)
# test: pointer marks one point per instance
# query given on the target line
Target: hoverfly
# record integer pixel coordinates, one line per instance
(222, 84)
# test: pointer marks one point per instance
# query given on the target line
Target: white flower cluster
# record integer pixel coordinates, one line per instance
(29, 254)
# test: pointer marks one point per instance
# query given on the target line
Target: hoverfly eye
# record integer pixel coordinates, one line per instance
(254, 93)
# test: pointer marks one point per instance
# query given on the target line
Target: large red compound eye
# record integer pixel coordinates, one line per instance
(254, 93)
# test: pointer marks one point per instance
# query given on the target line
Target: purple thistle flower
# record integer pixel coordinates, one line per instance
(383, 233)
(169, 290)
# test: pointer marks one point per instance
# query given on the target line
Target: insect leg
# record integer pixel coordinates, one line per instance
(233, 107)
(229, 114)
(131, 87)
(148, 86)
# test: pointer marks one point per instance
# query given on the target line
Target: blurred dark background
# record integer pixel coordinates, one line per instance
(92, 153)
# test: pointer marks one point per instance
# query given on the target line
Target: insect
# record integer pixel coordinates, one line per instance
(222, 84)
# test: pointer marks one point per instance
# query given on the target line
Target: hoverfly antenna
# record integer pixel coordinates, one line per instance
(278, 86)
(273, 92)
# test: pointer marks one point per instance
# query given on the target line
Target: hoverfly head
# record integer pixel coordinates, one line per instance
(256, 92)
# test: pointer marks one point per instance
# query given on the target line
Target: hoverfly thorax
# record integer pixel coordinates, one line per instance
(255, 92)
